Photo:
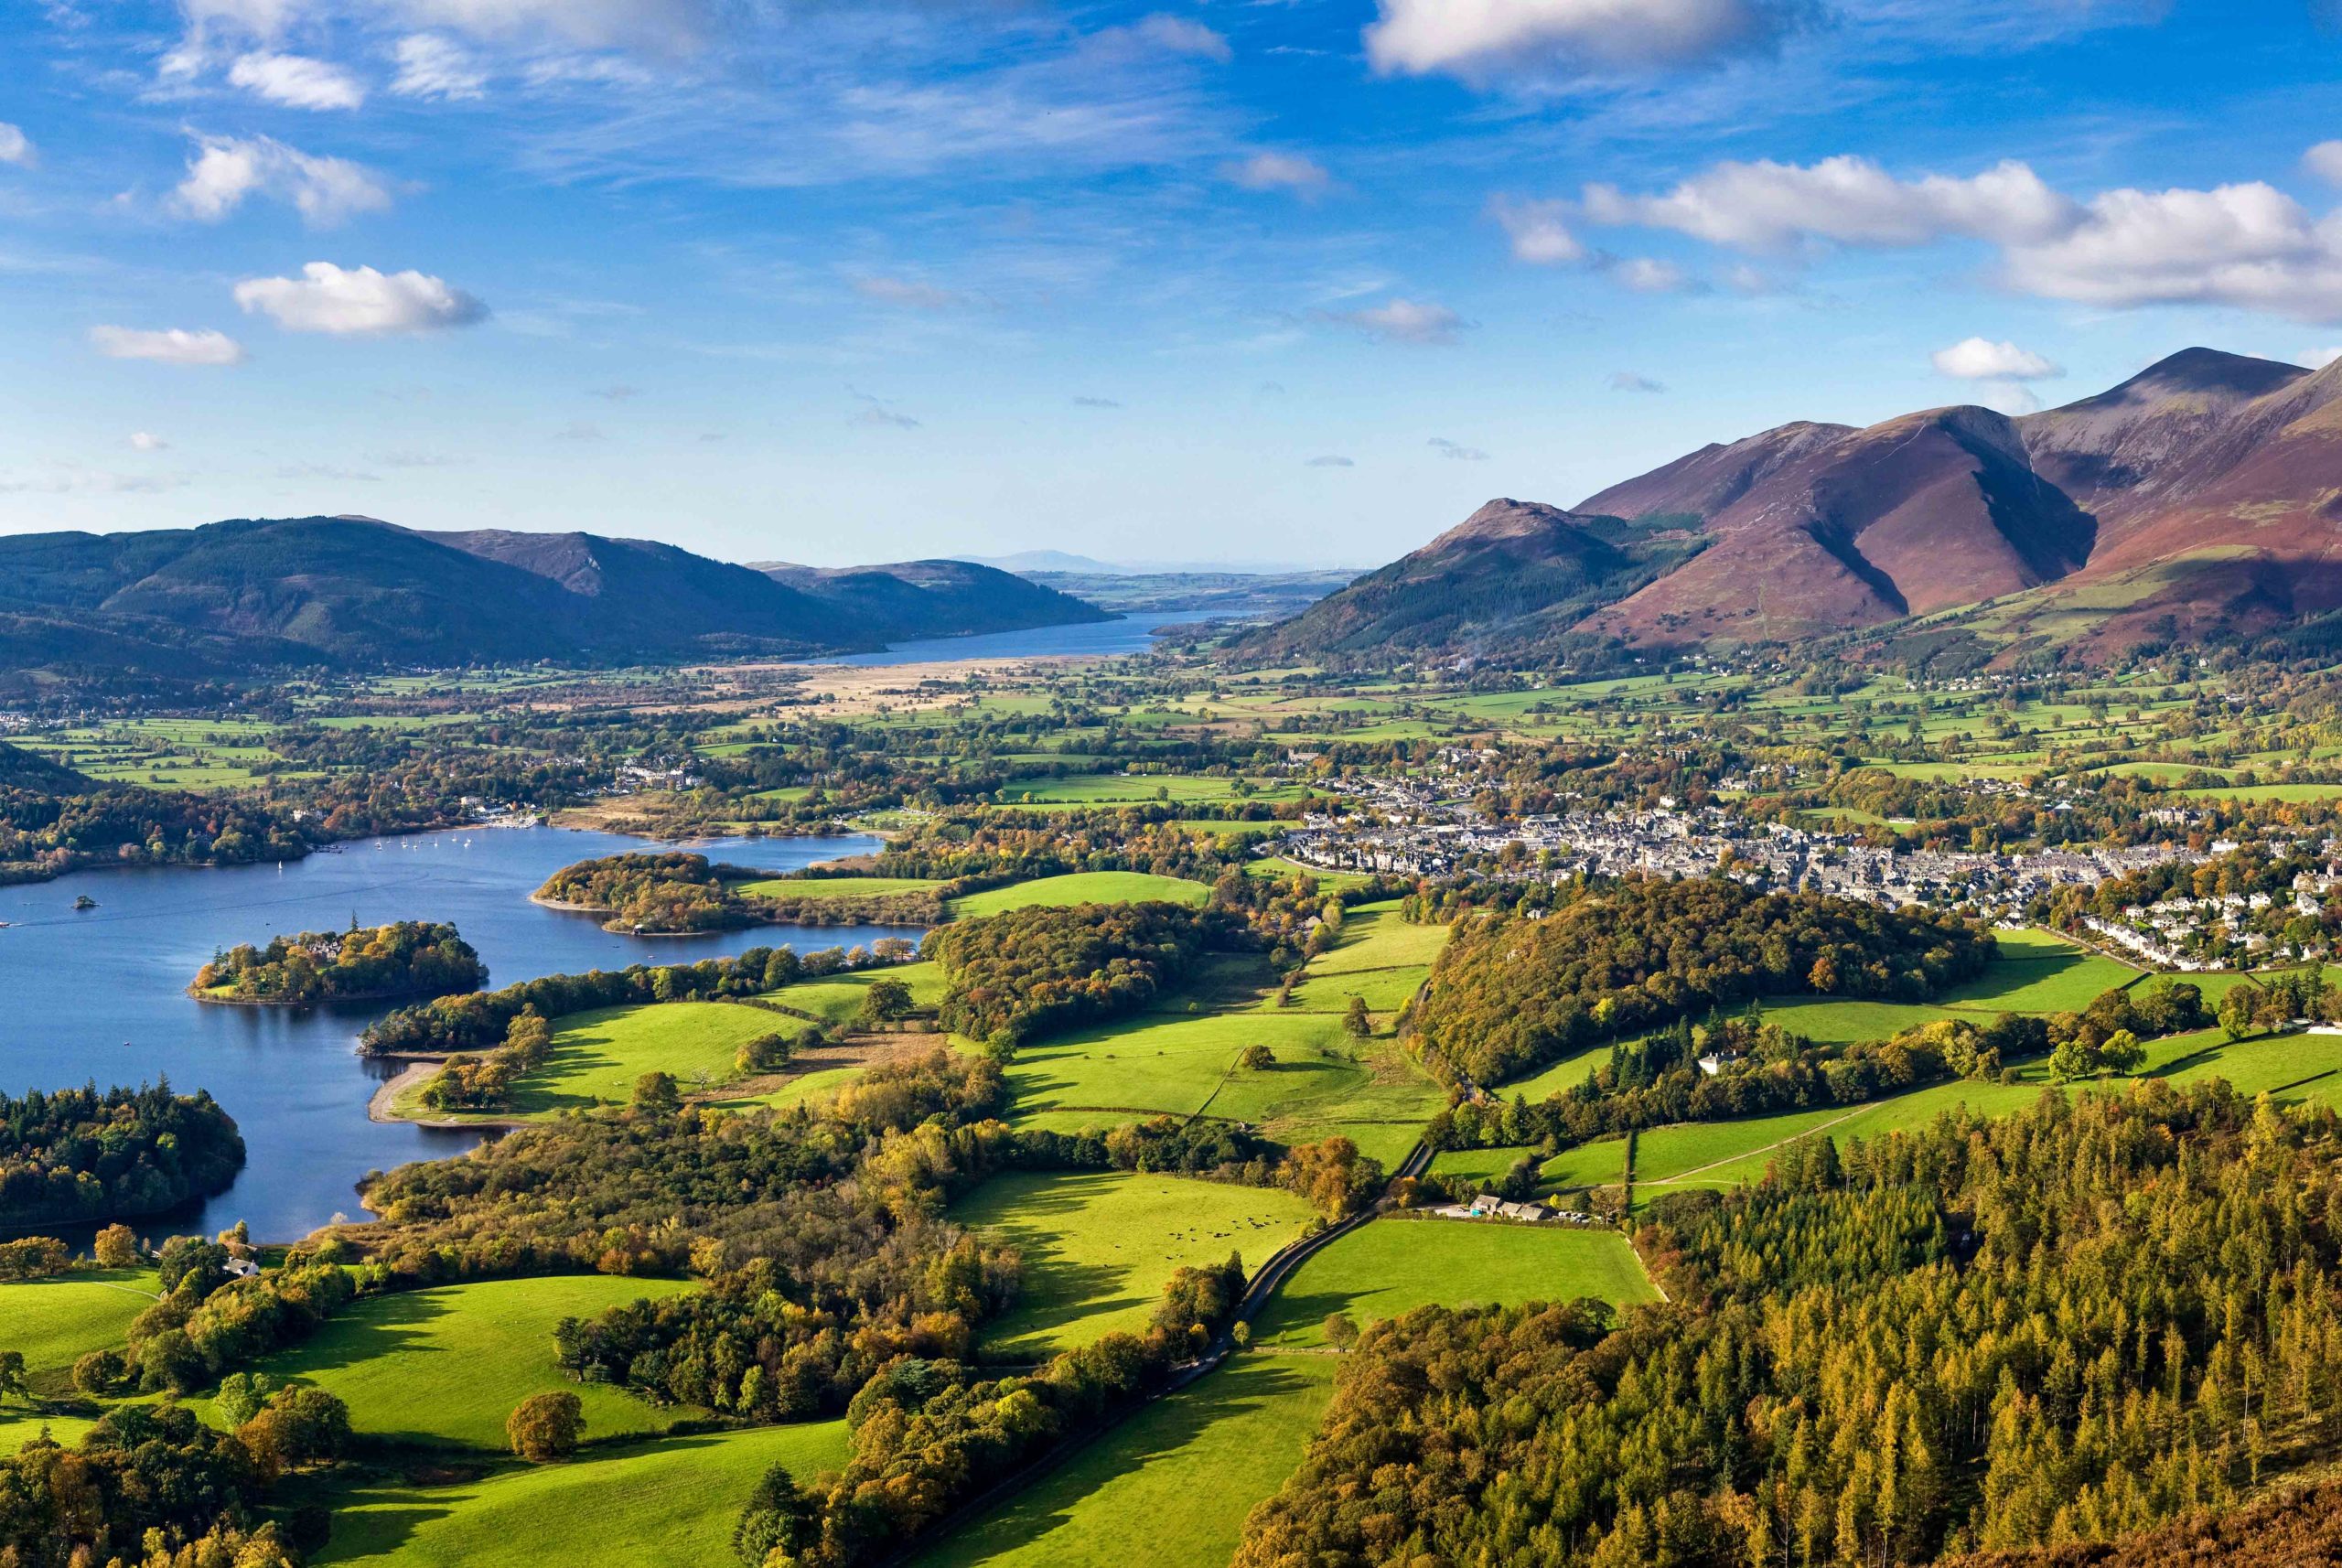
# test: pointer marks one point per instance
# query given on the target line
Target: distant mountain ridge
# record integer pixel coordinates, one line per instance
(2200, 499)
(261, 592)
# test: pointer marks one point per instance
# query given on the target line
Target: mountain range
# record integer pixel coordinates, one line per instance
(356, 592)
(2198, 500)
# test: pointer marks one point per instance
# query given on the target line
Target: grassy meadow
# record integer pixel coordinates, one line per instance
(55, 1323)
(444, 1366)
(1169, 1488)
(1098, 1246)
(1391, 1266)
(672, 1501)
(1083, 888)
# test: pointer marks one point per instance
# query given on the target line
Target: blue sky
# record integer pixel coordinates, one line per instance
(1253, 280)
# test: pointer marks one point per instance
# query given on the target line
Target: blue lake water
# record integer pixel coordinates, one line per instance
(1126, 634)
(101, 993)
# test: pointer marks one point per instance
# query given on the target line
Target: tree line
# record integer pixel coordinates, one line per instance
(1618, 957)
(1034, 971)
(2089, 1318)
(405, 958)
(78, 1154)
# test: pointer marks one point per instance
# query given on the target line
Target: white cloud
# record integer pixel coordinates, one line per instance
(1183, 37)
(2325, 160)
(664, 26)
(2248, 245)
(1279, 171)
(170, 346)
(148, 441)
(1981, 360)
(1478, 40)
(2321, 358)
(1456, 450)
(257, 18)
(908, 293)
(1628, 382)
(359, 301)
(1538, 230)
(225, 170)
(16, 147)
(1765, 206)
(296, 81)
(1648, 274)
(1404, 321)
(434, 66)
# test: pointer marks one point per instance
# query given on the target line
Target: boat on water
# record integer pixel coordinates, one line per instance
(83, 901)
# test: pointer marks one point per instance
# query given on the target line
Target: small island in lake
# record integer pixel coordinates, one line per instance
(86, 1155)
(364, 963)
(675, 892)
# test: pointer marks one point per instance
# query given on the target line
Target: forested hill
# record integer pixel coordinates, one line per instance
(355, 592)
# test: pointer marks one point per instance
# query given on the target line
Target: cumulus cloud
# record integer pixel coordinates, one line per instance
(16, 147)
(148, 441)
(1279, 171)
(225, 170)
(1766, 206)
(1403, 321)
(1648, 274)
(434, 66)
(2248, 245)
(908, 293)
(1181, 36)
(1628, 382)
(2325, 160)
(359, 301)
(1481, 40)
(296, 80)
(1538, 230)
(1456, 450)
(1330, 460)
(168, 346)
(1982, 360)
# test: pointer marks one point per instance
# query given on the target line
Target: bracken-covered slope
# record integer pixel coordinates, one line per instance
(1514, 574)
(260, 593)
(2201, 498)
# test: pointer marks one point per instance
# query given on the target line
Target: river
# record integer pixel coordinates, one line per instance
(101, 993)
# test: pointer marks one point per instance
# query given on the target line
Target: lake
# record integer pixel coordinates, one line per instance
(101, 993)
(1094, 639)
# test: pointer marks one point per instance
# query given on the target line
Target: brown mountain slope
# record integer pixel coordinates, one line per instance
(1911, 516)
(2202, 497)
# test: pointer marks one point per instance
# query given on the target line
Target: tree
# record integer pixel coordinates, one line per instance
(2236, 1011)
(766, 1053)
(299, 1426)
(546, 1426)
(886, 1001)
(1256, 1058)
(242, 1396)
(117, 1247)
(191, 1264)
(1357, 1020)
(1340, 1332)
(657, 1092)
(12, 1374)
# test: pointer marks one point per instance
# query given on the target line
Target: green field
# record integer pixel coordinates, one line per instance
(674, 1501)
(1602, 1163)
(2294, 1068)
(1391, 1266)
(1083, 888)
(1279, 867)
(445, 1365)
(56, 1322)
(1118, 789)
(1167, 1489)
(836, 998)
(1098, 1247)
(597, 1055)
